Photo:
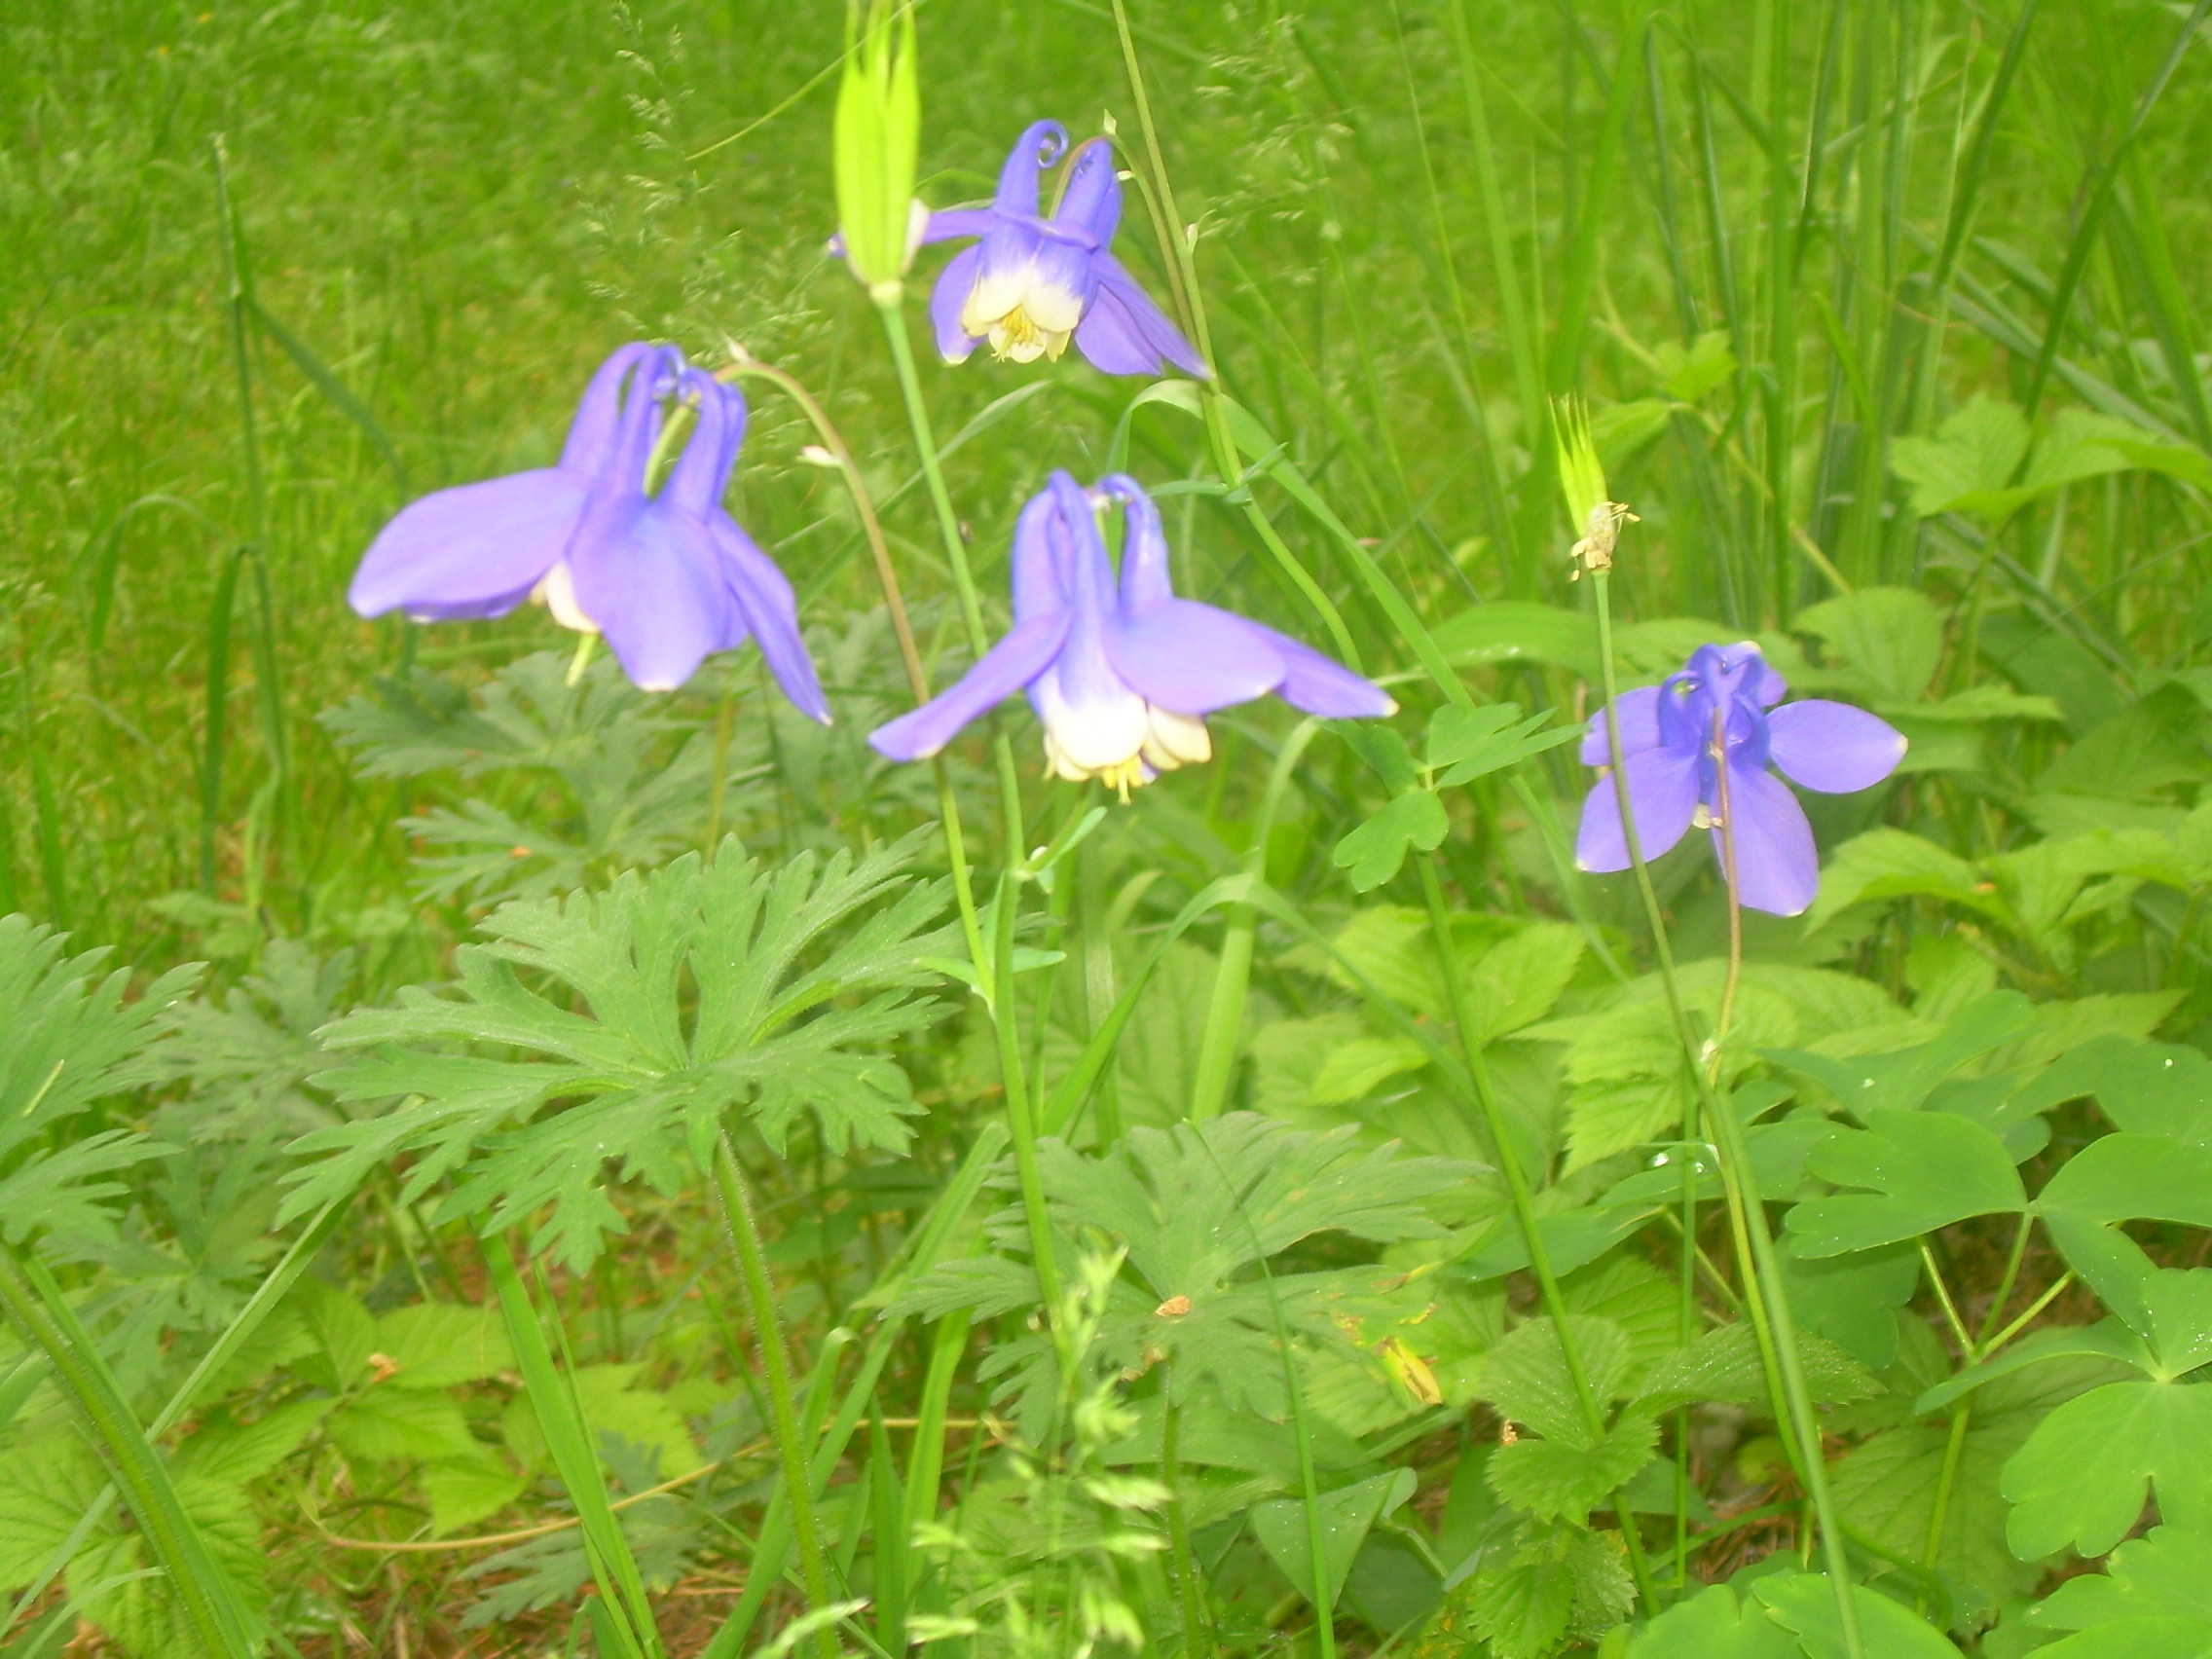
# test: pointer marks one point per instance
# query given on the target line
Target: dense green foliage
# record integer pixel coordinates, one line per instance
(572, 1168)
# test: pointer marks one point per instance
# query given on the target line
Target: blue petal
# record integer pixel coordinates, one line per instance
(958, 222)
(1833, 746)
(1637, 713)
(1191, 659)
(1324, 686)
(954, 283)
(1123, 333)
(475, 550)
(1044, 549)
(1777, 868)
(700, 478)
(657, 594)
(1092, 203)
(767, 607)
(1146, 577)
(599, 414)
(1662, 790)
(1042, 142)
(1002, 670)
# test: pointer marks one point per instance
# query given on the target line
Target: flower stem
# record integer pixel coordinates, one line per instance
(999, 962)
(776, 1367)
(1768, 1284)
(1524, 1203)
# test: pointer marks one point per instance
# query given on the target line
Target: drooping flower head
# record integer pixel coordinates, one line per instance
(1719, 711)
(1032, 283)
(1121, 676)
(667, 577)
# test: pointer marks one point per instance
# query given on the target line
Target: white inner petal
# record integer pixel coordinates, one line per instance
(556, 590)
(1024, 316)
(1176, 740)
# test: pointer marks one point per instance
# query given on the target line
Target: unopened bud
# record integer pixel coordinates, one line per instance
(877, 140)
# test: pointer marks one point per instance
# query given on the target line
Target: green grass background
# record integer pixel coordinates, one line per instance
(456, 208)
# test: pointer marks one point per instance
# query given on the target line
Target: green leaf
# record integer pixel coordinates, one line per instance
(1355, 1069)
(2153, 1089)
(1527, 1381)
(613, 1404)
(2145, 1436)
(2153, 1638)
(1892, 637)
(1805, 1603)
(242, 1453)
(467, 1490)
(1347, 1515)
(1724, 1364)
(1562, 1479)
(1904, 1079)
(1518, 631)
(1886, 1486)
(1548, 1583)
(666, 1002)
(1518, 981)
(1893, 864)
(1852, 1298)
(66, 1040)
(401, 1425)
(1466, 743)
(1922, 1171)
(434, 1344)
(1372, 853)
(2165, 1575)
(1969, 465)
(1714, 1624)
(2116, 1178)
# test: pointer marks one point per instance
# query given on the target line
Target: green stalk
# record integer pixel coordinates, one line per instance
(1020, 1112)
(776, 1367)
(218, 689)
(1740, 1178)
(1524, 1203)
(1188, 1606)
(46, 1319)
(1224, 1014)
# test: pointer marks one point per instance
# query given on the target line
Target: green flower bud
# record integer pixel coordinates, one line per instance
(1582, 480)
(878, 135)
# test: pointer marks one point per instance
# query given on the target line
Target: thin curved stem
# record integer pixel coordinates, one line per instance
(776, 1368)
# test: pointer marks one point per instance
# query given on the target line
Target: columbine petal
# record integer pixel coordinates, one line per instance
(1662, 791)
(1002, 670)
(1193, 658)
(1777, 868)
(1637, 712)
(598, 413)
(1323, 687)
(948, 298)
(657, 595)
(1041, 144)
(1123, 333)
(954, 222)
(1092, 204)
(1833, 746)
(767, 608)
(474, 550)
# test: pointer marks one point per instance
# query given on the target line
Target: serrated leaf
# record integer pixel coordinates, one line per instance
(467, 1490)
(1527, 1381)
(1922, 1170)
(803, 975)
(434, 1344)
(1893, 637)
(1352, 1070)
(384, 1424)
(613, 1405)
(1894, 864)
(1724, 1364)
(240, 1453)
(1555, 1480)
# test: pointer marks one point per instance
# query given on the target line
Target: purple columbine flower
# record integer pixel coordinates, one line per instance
(667, 579)
(1123, 680)
(1032, 283)
(1672, 749)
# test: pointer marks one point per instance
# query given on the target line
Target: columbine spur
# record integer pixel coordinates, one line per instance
(1121, 679)
(666, 579)
(1033, 282)
(1673, 738)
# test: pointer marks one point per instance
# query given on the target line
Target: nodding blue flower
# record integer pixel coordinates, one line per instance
(1676, 737)
(1032, 283)
(666, 579)
(1122, 679)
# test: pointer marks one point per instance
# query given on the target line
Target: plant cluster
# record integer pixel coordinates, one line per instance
(803, 1157)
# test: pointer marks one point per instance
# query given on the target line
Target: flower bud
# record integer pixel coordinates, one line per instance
(878, 137)
(1582, 480)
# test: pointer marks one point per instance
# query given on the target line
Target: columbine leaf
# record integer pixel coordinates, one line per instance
(2124, 1177)
(1922, 1171)
(2167, 1574)
(801, 975)
(2081, 1480)
(1372, 853)
(1466, 743)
